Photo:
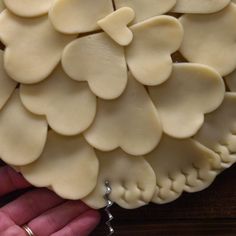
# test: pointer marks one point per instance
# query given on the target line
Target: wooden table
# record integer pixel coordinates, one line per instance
(211, 212)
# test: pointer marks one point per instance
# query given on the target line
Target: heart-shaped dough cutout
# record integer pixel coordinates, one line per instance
(133, 189)
(7, 85)
(144, 10)
(33, 39)
(219, 35)
(68, 165)
(130, 122)
(181, 165)
(100, 61)
(200, 6)
(28, 8)
(22, 137)
(78, 16)
(116, 25)
(69, 106)
(149, 54)
(191, 91)
(219, 131)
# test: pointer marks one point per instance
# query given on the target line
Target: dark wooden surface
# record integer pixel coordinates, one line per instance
(211, 212)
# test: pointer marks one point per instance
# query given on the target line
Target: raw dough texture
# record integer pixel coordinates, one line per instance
(191, 91)
(68, 165)
(131, 190)
(130, 122)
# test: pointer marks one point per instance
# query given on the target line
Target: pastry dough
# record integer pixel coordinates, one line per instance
(7, 85)
(68, 165)
(28, 8)
(100, 61)
(231, 81)
(22, 134)
(78, 16)
(146, 9)
(219, 131)
(53, 98)
(200, 6)
(149, 54)
(211, 39)
(2, 5)
(130, 122)
(130, 96)
(133, 189)
(191, 91)
(116, 25)
(33, 47)
(181, 165)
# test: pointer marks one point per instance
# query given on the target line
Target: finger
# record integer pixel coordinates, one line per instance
(11, 180)
(14, 231)
(81, 226)
(31, 205)
(56, 218)
(5, 222)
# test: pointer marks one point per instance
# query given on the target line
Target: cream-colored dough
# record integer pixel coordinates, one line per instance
(146, 9)
(131, 178)
(200, 6)
(2, 5)
(22, 134)
(33, 47)
(7, 85)
(130, 122)
(191, 91)
(116, 25)
(69, 106)
(78, 16)
(181, 165)
(219, 131)
(28, 8)
(68, 165)
(211, 39)
(231, 81)
(149, 54)
(100, 61)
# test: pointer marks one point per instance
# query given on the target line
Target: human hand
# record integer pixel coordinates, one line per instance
(44, 212)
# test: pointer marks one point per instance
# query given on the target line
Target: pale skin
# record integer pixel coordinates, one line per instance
(44, 212)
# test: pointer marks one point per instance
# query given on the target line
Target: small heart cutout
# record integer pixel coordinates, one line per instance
(116, 25)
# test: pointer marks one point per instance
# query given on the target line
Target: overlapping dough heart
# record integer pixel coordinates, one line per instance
(79, 16)
(143, 11)
(181, 165)
(200, 6)
(68, 165)
(130, 122)
(65, 116)
(191, 91)
(36, 41)
(100, 75)
(28, 8)
(101, 63)
(132, 190)
(22, 139)
(149, 54)
(219, 131)
(7, 85)
(214, 37)
(116, 25)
